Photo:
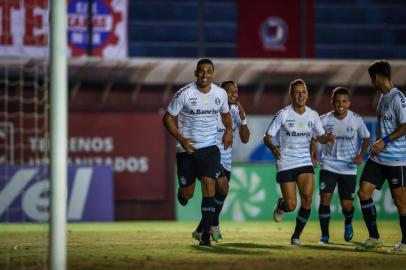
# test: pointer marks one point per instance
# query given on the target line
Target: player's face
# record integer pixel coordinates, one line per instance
(299, 95)
(232, 93)
(341, 104)
(204, 75)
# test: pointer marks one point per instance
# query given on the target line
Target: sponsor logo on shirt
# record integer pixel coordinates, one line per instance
(198, 111)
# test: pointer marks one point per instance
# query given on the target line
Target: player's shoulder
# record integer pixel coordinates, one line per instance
(185, 89)
(284, 111)
(312, 112)
(354, 115)
(398, 95)
(327, 115)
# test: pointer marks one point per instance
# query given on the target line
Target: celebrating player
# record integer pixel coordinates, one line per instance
(197, 106)
(339, 160)
(295, 125)
(388, 156)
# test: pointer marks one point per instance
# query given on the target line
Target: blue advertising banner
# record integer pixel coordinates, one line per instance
(24, 193)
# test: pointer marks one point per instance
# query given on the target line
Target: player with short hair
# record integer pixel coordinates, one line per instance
(240, 129)
(197, 106)
(388, 156)
(339, 160)
(294, 126)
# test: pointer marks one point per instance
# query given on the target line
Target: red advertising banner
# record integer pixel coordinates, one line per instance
(276, 28)
(134, 144)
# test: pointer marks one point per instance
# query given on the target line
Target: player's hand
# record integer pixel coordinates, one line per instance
(241, 110)
(276, 152)
(358, 160)
(377, 147)
(314, 161)
(330, 137)
(187, 144)
(227, 139)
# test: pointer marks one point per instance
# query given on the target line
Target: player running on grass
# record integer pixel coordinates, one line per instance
(239, 125)
(198, 106)
(388, 156)
(294, 126)
(339, 160)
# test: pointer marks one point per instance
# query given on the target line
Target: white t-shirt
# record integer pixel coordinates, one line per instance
(294, 132)
(198, 113)
(236, 125)
(338, 157)
(391, 112)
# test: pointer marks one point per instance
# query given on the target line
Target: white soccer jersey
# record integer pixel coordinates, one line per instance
(338, 156)
(236, 124)
(391, 112)
(294, 132)
(197, 114)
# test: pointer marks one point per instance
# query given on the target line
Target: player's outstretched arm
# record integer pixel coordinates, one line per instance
(380, 144)
(364, 148)
(228, 133)
(274, 149)
(326, 138)
(169, 122)
(244, 130)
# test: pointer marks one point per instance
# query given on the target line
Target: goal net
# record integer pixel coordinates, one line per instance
(24, 170)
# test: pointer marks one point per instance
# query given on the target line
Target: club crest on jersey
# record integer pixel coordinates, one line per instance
(350, 129)
(310, 124)
(217, 101)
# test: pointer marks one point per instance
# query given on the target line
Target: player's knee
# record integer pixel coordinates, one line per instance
(187, 194)
(290, 205)
(363, 195)
(307, 201)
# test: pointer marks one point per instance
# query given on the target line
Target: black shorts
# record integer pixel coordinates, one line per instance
(376, 174)
(204, 162)
(292, 174)
(346, 184)
(225, 172)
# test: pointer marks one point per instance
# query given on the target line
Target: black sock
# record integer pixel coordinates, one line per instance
(208, 209)
(348, 216)
(282, 205)
(402, 220)
(199, 228)
(324, 217)
(301, 220)
(369, 214)
(219, 200)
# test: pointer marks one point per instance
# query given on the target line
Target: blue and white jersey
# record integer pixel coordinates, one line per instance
(338, 157)
(236, 125)
(294, 132)
(391, 112)
(197, 114)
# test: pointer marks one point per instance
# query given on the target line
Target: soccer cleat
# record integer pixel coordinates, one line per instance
(370, 243)
(216, 233)
(205, 240)
(295, 242)
(398, 248)
(324, 239)
(277, 212)
(197, 235)
(181, 200)
(348, 232)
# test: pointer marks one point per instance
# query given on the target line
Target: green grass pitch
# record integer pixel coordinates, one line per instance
(168, 245)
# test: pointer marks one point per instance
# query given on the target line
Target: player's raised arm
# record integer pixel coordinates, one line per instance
(244, 130)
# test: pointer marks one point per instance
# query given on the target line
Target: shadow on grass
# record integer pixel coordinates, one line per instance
(241, 248)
